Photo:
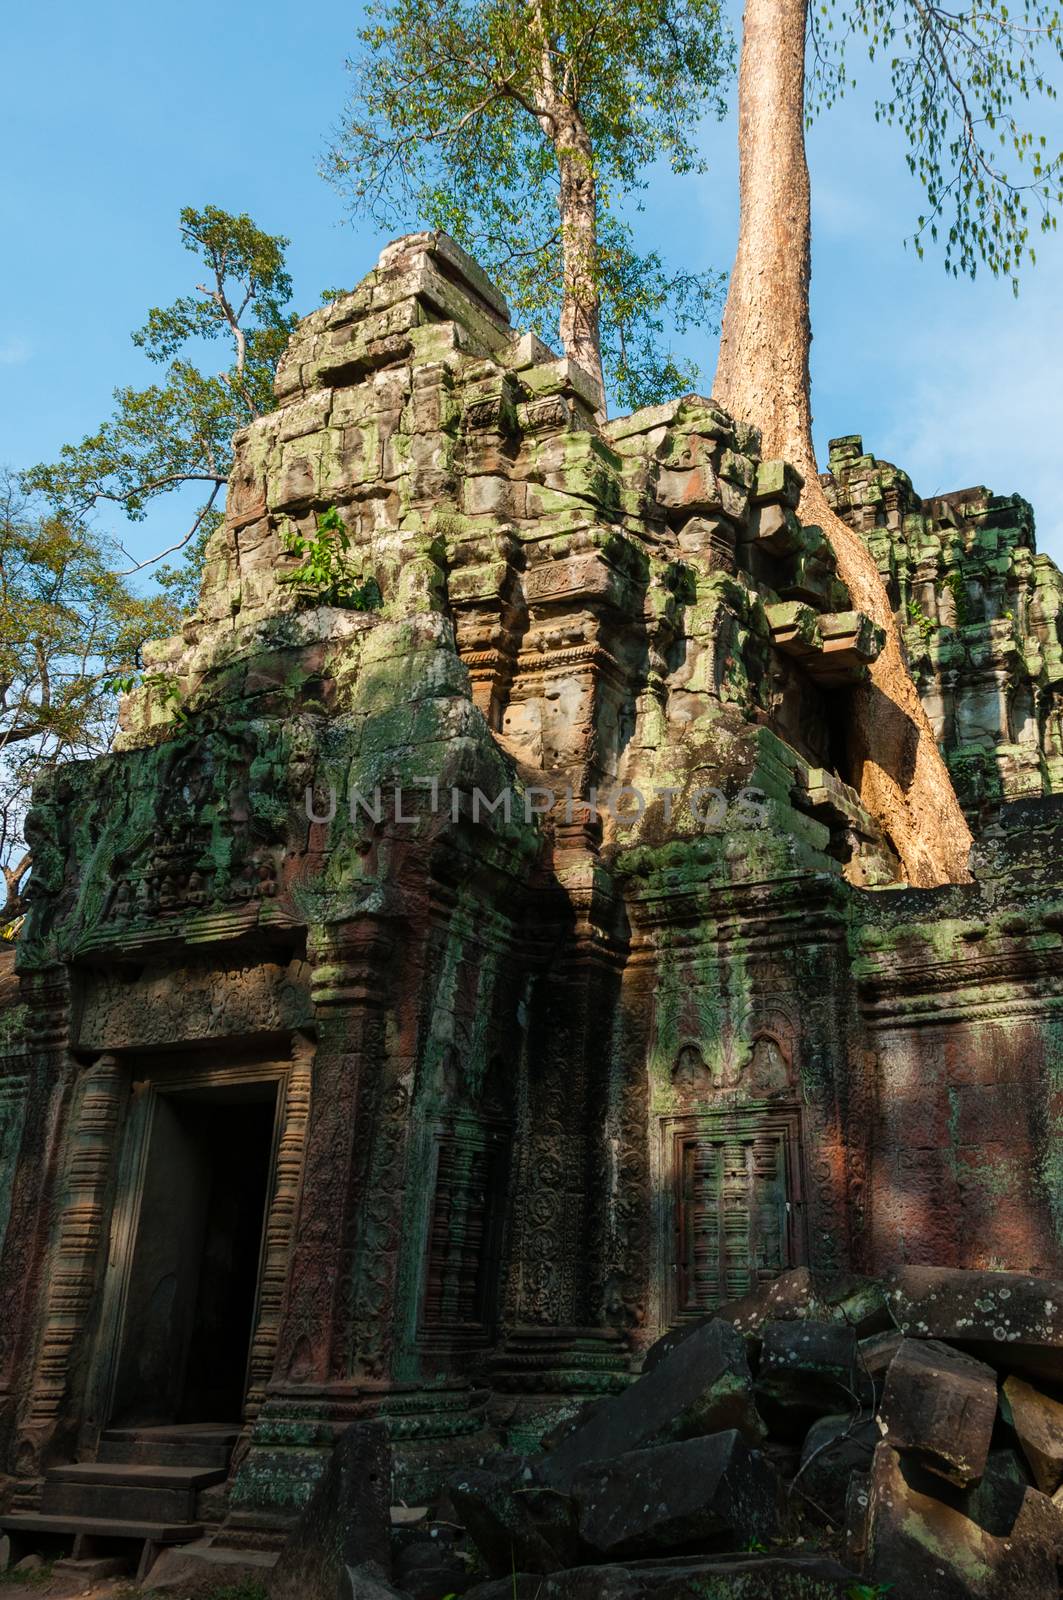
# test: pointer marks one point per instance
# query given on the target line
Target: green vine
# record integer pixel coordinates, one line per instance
(326, 568)
(958, 589)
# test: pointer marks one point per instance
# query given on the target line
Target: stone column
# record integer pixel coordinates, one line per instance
(50, 1073)
(349, 987)
(561, 1342)
(281, 1219)
(76, 1255)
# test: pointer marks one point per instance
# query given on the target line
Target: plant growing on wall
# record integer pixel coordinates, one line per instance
(515, 126)
(325, 567)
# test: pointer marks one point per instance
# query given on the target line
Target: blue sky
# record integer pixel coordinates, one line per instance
(115, 116)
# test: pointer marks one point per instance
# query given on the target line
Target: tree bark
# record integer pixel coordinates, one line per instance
(763, 377)
(580, 329)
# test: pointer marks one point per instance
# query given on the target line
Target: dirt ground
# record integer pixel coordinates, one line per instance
(63, 1586)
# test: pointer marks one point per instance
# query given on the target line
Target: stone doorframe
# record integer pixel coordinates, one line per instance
(781, 1122)
(293, 1081)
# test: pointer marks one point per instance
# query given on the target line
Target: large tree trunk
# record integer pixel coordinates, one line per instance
(578, 203)
(763, 378)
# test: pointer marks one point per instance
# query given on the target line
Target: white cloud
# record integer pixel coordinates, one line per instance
(981, 404)
(13, 352)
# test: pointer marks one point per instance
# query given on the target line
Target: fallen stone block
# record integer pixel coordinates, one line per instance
(677, 1497)
(941, 1406)
(1010, 1319)
(874, 1354)
(84, 1575)
(426, 1559)
(367, 1582)
(515, 1522)
(1030, 1559)
(857, 1301)
(835, 1448)
(792, 1296)
(921, 1545)
(996, 1499)
(1038, 1423)
(735, 1577)
(789, 1295)
(702, 1386)
(346, 1525)
(807, 1370)
(203, 1567)
(857, 1496)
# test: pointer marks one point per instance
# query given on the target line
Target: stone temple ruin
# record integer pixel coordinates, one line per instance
(474, 960)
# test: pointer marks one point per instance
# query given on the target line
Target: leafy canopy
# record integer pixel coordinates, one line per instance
(70, 625)
(179, 431)
(958, 79)
(446, 125)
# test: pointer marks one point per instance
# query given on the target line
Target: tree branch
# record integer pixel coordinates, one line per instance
(193, 530)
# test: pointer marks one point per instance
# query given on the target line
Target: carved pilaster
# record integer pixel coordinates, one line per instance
(76, 1253)
(49, 1072)
(349, 987)
(280, 1220)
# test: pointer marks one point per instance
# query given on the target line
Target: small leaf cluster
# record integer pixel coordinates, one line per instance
(960, 81)
(918, 618)
(325, 567)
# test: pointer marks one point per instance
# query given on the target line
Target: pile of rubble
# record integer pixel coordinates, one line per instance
(849, 1439)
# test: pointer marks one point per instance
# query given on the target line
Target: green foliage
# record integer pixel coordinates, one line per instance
(40, 1579)
(179, 431)
(447, 125)
(71, 627)
(325, 568)
(868, 1591)
(958, 590)
(957, 78)
(918, 618)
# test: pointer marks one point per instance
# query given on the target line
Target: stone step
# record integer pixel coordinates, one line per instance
(137, 1474)
(31, 1522)
(178, 1449)
(155, 1494)
(164, 1453)
(177, 1431)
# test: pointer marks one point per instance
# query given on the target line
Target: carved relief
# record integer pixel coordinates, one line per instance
(12, 1113)
(768, 1070)
(158, 1006)
(736, 1204)
(690, 1075)
(77, 1250)
(280, 1220)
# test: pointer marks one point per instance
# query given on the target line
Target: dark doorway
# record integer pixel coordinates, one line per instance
(193, 1281)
